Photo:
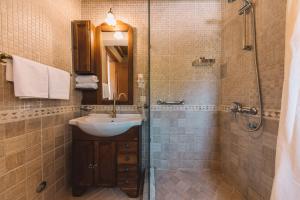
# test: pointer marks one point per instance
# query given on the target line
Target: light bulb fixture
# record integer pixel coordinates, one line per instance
(110, 18)
(118, 35)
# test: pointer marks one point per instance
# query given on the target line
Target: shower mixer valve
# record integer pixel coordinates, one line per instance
(239, 108)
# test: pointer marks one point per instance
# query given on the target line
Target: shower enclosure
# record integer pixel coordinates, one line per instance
(204, 56)
(184, 138)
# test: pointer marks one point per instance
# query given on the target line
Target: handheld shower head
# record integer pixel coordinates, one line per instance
(247, 5)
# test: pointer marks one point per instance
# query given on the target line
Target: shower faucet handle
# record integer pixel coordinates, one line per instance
(235, 107)
(239, 108)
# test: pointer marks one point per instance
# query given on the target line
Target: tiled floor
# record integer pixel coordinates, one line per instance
(188, 185)
(100, 194)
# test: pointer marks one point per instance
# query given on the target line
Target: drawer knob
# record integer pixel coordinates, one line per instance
(126, 169)
(126, 145)
(91, 166)
(127, 158)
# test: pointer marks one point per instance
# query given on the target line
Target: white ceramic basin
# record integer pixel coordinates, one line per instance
(103, 125)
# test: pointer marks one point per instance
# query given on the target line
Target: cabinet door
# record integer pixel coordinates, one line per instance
(105, 170)
(83, 163)
(83, 47)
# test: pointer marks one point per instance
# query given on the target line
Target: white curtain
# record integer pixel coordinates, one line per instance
(286, 184)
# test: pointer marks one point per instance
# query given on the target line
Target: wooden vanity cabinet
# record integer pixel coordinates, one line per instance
(83, 42)
(106, 161)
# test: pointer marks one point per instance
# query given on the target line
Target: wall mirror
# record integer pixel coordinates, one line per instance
(116, 63)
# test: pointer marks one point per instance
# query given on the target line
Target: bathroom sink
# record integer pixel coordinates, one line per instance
(103, 125)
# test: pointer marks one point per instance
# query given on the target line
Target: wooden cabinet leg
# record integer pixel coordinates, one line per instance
(77, 191)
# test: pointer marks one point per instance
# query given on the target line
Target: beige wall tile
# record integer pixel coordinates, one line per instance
(16, 192)
(33, 124)
(14, 129)
(34, 138)
(15, 144)
(15, 160)
(33, 152)
(2, 149)
(2, 131)
(34, 166)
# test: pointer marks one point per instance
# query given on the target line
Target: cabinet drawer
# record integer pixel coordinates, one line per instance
(127, 158)
(128, 183)
(128, 147)
(127, 175)
(127, 168)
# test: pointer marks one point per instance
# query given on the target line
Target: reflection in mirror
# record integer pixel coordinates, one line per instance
(114, 54)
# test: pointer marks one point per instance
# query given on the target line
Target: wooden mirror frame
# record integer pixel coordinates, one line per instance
(122, 27)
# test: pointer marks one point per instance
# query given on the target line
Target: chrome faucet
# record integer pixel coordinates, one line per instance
(114, 110)
(239, 108)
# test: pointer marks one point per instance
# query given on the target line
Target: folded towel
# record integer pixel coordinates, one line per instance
(30, 78)
(9, 70)
(87, 86)
(105, 91)
(59, 84)
(87, 79)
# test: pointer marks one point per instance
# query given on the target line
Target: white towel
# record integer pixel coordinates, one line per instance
(105, 91)
(30, 78)
(59, 84)
(9, 70)
(87, 86)
(87, 79)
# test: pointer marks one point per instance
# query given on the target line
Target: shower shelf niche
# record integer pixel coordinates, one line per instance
(202, 62)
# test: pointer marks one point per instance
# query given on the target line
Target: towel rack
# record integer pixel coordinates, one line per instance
(7, 56)
(4, 56)
(160, 102)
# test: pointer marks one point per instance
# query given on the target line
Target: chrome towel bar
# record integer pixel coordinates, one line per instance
(7, 56)
(161, 102)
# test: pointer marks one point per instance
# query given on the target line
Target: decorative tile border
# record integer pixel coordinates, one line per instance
(104, 108)
(191, 108)
(272, 114)
(28, 113)
(269, 114)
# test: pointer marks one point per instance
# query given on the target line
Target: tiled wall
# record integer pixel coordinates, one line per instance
(238, 77)
(32, 151)
(35, 142)
(37, 30)
(184, 140)
(182, 31)
(248, 159)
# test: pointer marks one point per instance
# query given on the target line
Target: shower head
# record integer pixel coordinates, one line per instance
(246, 1)
(247, 5)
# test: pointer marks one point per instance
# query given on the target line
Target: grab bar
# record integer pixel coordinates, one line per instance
(161, 102)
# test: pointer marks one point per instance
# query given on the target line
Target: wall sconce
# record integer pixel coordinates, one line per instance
(110, 18)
